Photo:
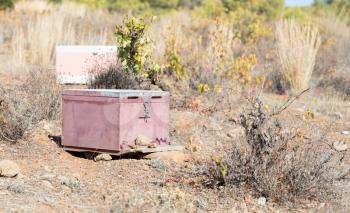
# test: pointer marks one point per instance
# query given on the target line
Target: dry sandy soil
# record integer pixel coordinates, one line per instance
(53, 180)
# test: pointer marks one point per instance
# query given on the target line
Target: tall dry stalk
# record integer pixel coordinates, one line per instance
(297, 46)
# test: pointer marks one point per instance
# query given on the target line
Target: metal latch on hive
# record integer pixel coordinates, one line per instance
(146, 106)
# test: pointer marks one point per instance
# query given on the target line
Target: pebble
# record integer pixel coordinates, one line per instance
(261, 201)
(340, 146)
(345, 132)
(8, 168)
(103, 157)
(142, 140)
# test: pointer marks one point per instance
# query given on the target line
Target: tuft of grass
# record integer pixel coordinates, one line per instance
(24, 105)
(35, 41)
(297, 46)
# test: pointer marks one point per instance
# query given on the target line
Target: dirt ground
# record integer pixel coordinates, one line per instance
(53, 180)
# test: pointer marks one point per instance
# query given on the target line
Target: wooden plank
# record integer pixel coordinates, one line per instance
(141, 150)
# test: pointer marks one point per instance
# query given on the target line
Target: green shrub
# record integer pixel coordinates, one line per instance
(55, 1)
(297, 14)
(210, 8)
(124, 5)
(133, 49)
(4, 4)
(268, 8)
(190, 4)
(246, 20)
(163, 4)
(174, 61)
(91, 3)
(341, 8)
(132, 40)
(248, 26)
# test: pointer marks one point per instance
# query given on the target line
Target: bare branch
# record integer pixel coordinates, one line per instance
(288, 103)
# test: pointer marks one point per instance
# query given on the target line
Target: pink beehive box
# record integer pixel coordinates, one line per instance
(111, 120)
(75, 63)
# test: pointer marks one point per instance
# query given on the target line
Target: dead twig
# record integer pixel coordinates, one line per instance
(288, 103)
(2, 135)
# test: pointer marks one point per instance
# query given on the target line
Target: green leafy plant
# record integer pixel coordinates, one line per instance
(4, 4)
(55, 1)
(164, 4)
(133, 49)
(269, 9)
(241, 69)
(132, 43)
(210, 8)
(127, 5)
(203, 88)
(309, 114)
(174, 61)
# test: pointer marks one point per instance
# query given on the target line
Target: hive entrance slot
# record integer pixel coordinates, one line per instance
(133, 97)
(156, 97)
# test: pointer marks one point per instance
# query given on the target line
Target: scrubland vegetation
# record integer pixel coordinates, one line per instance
(247, 61)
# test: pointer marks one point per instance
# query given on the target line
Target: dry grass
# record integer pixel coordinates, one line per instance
(50, 25)
(24, 105)
(113, 77)
(333, 63)
(297, 47)
(34, 6)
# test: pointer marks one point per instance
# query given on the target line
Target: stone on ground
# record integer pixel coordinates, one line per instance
(143, 141)
(261, 201)
(345, 132)
(103, 157)
(340, 146)
(8, 168)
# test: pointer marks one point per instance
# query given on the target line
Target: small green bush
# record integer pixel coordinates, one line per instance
(339, 7)
(91, 3)
(268, 8)
(132, 41)
(5, 4)
(125, 5)
(55, 1)
(133, 49)
(298, 14)
(164, 4)
(210, 8)
(174, 61)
